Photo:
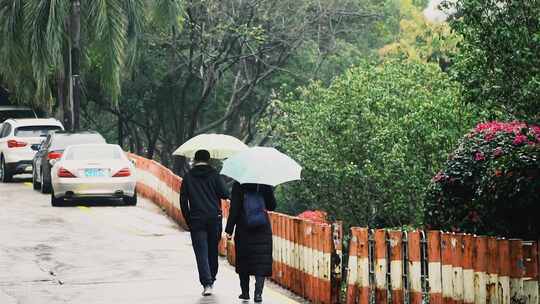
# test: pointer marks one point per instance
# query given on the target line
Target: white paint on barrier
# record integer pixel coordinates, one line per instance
(480, 292)
(363, 272)
(447, 276)
(504, 289)
(396, 275)
(434, 274)
(352, 275)
(415, 276)
(458, 283)
(468, 286)
(531, 290)
(380, 273)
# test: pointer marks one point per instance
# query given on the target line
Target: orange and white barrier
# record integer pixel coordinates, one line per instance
(441, 268)
(160, 185)
(404, 267)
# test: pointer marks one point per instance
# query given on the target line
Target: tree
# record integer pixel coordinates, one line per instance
(498, 62)
(370, 142)
(422, 40)
(42, 42)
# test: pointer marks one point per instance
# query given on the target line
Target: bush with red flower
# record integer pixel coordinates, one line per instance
(490, 184)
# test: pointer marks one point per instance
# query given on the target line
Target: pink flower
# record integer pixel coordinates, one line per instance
(479, 156)
(519, 139)
(498, 152)
(439, 177)
(489, 136)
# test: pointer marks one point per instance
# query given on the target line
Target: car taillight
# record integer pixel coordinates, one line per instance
(64, 173)
(54, 155)
(123, 173)
(16, 144)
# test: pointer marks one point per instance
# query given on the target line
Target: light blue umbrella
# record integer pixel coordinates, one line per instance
(261, 165)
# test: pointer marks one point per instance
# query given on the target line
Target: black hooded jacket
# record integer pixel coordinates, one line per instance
(200, 196)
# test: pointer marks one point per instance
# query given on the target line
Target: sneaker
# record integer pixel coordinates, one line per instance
(257, 298)
(207, 291)
(244, 297)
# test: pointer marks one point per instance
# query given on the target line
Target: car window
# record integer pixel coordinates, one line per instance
(62, 141)
(7, 130)
(35, 131)
(93, 153)
(23, 113)
(2, 130)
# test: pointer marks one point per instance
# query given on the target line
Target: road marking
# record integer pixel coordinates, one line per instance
(84, 208)
(28, 184)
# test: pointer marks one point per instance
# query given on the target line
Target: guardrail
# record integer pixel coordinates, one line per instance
(384, 266)
(438, 267)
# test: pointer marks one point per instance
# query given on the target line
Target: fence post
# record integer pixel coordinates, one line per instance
(504, 271)
(415, 267)
(517, 271)
(468, 272)
(396, 266)
(434, 267)
(447, 271)
(380, 267)
(457, 267)
(480, 264)
(532, 266)
(493, 271)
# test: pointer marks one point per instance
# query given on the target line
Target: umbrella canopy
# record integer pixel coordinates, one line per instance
(260, 165)
(220, 146)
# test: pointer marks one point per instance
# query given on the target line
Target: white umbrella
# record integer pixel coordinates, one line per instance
(220, 146)
(260, 165)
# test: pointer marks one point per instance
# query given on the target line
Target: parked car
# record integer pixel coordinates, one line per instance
(52, 148)
(16, 112)
(93, 171)
(18, 139)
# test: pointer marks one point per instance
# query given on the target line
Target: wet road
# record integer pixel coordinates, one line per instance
(100, 254)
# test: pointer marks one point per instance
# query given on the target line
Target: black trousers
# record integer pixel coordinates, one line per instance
(205, 240)
(244, 284)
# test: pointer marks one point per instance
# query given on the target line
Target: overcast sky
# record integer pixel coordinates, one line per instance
(432, 13)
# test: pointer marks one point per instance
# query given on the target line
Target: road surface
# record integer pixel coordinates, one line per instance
(100, 253)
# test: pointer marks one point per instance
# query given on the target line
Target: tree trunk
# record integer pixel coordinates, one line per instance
(75, 31)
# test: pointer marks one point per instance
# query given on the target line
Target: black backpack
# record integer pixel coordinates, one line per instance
(255, 209)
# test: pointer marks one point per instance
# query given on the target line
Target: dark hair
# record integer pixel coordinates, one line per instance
(202, 156)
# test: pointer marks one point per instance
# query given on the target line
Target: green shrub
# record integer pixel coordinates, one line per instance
(491, 183)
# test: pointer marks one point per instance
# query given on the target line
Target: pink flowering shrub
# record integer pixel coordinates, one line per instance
(490, 184)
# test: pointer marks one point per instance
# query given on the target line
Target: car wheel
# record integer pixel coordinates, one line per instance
(5, 175)
(131, 200)
(56, 202)
(35, 183)
(45, 187)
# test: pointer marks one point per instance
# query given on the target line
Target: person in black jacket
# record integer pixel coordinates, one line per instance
(253, 245)
(200, 200)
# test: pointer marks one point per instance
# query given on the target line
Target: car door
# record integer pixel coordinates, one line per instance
(38, 159)
(4, 132)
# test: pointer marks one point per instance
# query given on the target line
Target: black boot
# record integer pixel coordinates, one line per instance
(244, 285)
(259, 285)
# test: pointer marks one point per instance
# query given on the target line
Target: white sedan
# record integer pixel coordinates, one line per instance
(93, 171)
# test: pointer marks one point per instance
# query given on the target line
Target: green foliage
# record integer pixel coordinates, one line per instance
(498, 61)
(422, 40)
(490, 184)
(370, 142)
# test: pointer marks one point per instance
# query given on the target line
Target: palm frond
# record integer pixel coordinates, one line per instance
(168, 13)
(110, 26)
(135, 13)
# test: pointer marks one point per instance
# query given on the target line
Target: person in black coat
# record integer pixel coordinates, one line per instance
(253, 245)
(200, 201)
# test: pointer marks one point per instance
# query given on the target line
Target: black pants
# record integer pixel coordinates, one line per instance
(205, 240)
(244, 284)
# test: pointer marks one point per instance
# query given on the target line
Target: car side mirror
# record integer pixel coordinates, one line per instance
(35, 147)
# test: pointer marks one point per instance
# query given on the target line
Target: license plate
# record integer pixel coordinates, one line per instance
(94, 172)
